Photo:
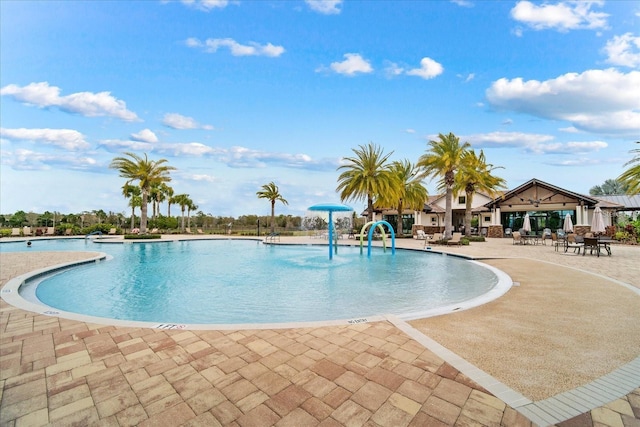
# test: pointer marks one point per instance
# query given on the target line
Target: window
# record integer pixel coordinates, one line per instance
(487, 219)
(462, 200)
(433, 219)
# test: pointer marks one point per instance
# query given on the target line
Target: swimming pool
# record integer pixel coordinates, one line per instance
(239, 282)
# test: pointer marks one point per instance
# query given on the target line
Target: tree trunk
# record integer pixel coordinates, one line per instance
(133, 216)
(183, 220)
(273, 216)
(467, 214)
(143, 212)
(369, 209)
(448, 212)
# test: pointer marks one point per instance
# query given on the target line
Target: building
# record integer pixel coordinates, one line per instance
(546, 204)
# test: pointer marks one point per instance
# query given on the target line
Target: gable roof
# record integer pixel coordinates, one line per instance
(620, 202)
(588, 200)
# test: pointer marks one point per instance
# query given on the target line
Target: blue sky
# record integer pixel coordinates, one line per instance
(236, 94)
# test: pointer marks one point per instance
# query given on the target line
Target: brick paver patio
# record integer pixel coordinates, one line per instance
(63, 372)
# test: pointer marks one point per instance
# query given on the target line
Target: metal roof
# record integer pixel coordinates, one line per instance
(625, 202)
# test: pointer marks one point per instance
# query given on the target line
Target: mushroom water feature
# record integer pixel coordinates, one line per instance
(331, 208)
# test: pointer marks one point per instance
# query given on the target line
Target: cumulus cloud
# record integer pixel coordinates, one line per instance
(428, 69)
(198, 177)
(326, 7)
(84, 103)
(242, 157)
(119, 145)
(352, 65)
(145, 135)
(64, 138)
(206, 5)
(624, 50)
(601, 101)
(236, 49)
(463, 3)
(178, 121)
(533, 143)
(22, 159)
(562, 16)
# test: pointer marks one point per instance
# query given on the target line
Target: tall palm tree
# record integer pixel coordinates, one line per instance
(367, 176)
(271, 192)
(475, 175)
(410, 194)
(183, 201)
(443, 160)
(190, 207)
(156, 195)
(168, 193)
(631, 177)
(146, 172)
(132, 192)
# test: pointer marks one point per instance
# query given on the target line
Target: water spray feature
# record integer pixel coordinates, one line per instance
(331, 208)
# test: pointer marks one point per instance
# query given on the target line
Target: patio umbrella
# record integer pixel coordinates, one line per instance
(597, 225)
(526, 226)
(568, 224)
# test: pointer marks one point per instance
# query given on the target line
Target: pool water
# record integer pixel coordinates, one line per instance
(231, 282)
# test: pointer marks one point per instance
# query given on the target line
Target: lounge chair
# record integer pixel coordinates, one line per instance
(26, 231)
(188, 230)
(112, 232)
(420, 235)
(200, 231)
(15, 232)
(154, 231)
(68, 232)
(517, 238)
(51, 231)
(455, 239)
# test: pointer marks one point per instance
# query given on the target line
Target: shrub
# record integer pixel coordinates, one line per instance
(143, 236)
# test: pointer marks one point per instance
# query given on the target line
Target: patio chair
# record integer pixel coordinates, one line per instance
(15, 232)
(420, 235)
(455, 239)
(26, 231)
(112, 232)
(517, 238)
(507, 232)
(591, 243)
(200, 231)
(572, 242)
(51, 231)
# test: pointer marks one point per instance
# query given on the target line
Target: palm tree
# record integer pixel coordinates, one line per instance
(190, 207)
(411, 194)
(271, 192)
(475, 175)
(367, 176)
(168, 193)
(631, 177)
(443, 160)
(183, 201)
(146, 172)
(132, 193)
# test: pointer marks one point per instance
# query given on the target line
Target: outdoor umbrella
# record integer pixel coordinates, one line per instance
(597, 225)
(568, 224)
(526, 226)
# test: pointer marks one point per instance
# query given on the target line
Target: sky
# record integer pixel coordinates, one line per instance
(236, 94)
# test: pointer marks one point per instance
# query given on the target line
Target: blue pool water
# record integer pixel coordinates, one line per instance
(230, 282)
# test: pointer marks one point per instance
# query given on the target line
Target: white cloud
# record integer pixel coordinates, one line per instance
(533, 143)
(428, 69)
(463, 3)
(624, 50)
(22, 159)
(326, 7)
(84, 103)
(236, 49)
(242, 157)
(352, 65)
(178, 121)
(602, 101)
(64, 138)
(195, 149)
(145, 135)
(198, 177)
(118, 145)
(562, 16)
(392, 69)
(206, 5)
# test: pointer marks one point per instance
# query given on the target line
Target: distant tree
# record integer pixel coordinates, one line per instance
(611, 187)
(443, 160)
(18, 219)
(367, 176)
(271, 192)
(132, 192)
(631, 177)
(144, 171)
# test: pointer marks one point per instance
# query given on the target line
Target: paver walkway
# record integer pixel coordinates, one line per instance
(63, 372)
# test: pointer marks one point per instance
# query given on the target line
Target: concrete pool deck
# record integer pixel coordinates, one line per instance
(560, 348)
